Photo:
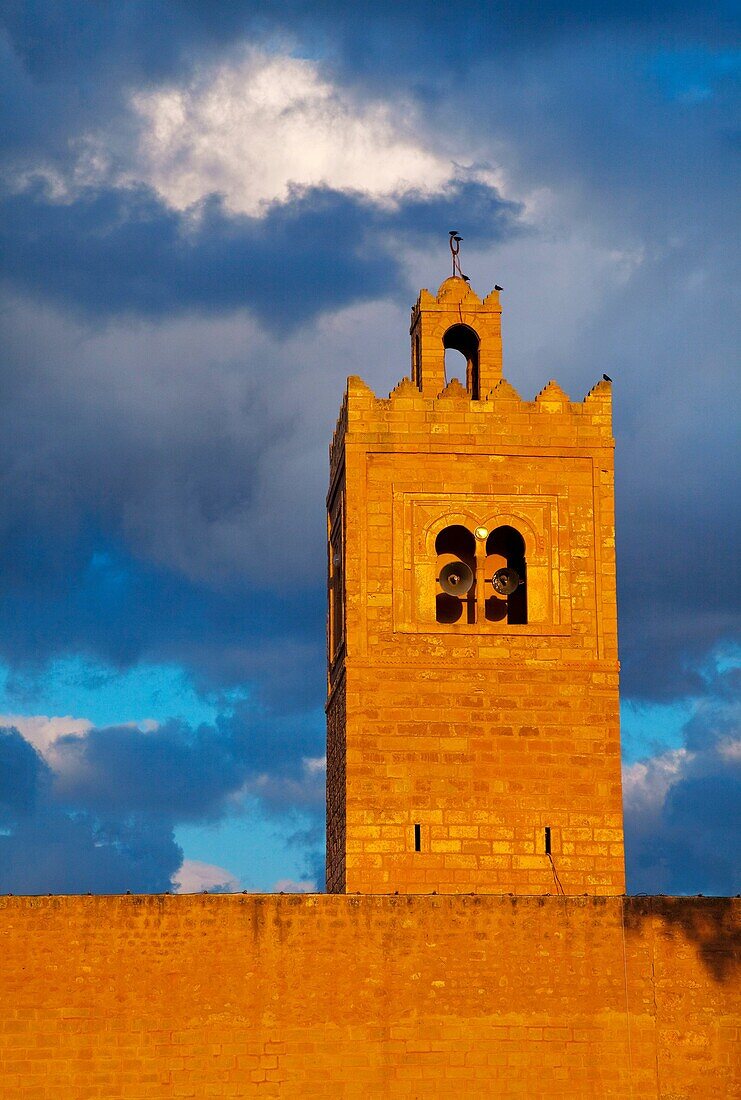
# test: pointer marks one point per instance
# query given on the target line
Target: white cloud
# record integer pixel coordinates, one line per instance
(194, 876)
(42, 730)
(254, 128)
(306, 791)
(646, 782)
(315, 765)
(291, 886)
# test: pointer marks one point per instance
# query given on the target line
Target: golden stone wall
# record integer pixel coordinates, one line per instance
(228, 996)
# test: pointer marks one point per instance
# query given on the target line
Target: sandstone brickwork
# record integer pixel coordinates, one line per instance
(469, 739)
(130, 998)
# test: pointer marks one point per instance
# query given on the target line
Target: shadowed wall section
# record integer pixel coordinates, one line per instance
(320, 995)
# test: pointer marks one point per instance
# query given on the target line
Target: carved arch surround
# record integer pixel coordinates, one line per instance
(534, 543)
(419, 517)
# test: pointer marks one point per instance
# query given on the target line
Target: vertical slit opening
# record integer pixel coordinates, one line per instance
(547, 840)
(418, 838)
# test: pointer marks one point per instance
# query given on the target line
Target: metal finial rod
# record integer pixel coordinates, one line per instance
(455, 247)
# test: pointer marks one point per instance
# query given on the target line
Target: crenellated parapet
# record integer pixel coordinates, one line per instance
(487, 410)
(499, 415)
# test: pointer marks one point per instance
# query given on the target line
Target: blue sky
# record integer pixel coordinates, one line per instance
(209, 216)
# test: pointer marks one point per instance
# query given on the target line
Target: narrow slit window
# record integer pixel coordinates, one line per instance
(547, 840)
(418, 838)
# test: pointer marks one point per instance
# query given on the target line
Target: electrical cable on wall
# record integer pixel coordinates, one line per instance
(559, 887)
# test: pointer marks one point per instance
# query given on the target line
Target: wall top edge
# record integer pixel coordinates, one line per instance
(309, 900)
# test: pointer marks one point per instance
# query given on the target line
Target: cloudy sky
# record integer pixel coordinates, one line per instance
(210, 214)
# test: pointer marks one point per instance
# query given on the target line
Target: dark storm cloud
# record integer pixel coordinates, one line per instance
(22, 773)
(45, 847)
(678, 519)
(54, 852)
(101, 818)
(145, 505)
(683, 810)
(178, 772)
(143, 476)
(153, 38)
(487, 52)
(68, 67)
(145, 493)
(125, 251)
(121, 612)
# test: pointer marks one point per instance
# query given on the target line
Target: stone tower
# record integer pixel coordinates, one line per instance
(473, 734)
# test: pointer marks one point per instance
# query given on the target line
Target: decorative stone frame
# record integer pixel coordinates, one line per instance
(420, 517)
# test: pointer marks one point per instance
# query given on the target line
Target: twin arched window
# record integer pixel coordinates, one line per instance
(481, 577)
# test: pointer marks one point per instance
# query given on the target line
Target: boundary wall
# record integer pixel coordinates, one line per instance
(231, 996)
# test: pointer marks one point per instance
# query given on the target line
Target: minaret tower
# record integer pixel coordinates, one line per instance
(473, 735)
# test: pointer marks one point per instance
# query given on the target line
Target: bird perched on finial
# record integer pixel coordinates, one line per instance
(498, 287)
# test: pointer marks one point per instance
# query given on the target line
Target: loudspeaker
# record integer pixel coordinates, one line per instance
(505, 581)
(456, 578)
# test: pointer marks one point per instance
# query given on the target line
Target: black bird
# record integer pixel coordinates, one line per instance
(466, 278)
(452, 232)
(499, 287)
(607, 378)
